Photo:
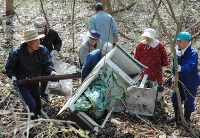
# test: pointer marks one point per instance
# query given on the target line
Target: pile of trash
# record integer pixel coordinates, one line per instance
(102, 93)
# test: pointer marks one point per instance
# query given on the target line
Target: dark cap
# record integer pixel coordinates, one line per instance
(98, 6)
(94, 34)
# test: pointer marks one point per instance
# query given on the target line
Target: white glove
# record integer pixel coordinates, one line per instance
(14, 80)
(163, 69)
(53, 73)
(177, 68)
(54, 53)
(173, 79)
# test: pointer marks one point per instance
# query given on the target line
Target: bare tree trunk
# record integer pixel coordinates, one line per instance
(9, 7)
(44, 14)
(108, 5)
(73, 24)
(173, 51)
(104, 3)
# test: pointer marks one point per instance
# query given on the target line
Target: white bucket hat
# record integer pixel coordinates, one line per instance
(151, 33)
(31, 34)
(107, 47)
(39, 24)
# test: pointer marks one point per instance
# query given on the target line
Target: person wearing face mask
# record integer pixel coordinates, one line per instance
(187, 57)
(91, 44)
(152, 54)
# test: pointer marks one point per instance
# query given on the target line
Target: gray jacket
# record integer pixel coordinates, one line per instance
(86, 48)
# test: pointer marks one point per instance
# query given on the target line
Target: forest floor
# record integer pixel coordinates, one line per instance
(120, 125)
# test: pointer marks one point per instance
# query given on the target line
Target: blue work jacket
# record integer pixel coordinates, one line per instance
(189, 69)
(90, 62)
(21, 64)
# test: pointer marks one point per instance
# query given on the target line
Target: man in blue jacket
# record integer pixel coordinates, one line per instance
(105, 24)
(93, 58)
(28, 60)
(187, 58)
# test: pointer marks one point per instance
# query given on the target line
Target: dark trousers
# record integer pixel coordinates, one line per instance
(31, 96)
(189, 101)
(43, 84)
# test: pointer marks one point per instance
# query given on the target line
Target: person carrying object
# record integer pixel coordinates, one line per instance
(187, 57)
(28, 60)
(51, 41)
(152, 54)
(93, 58)
(105, 24)
(91, 44)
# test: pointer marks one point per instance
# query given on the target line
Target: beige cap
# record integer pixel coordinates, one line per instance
(31, 34)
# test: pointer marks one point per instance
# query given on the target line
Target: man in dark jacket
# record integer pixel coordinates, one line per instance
(187, 67)
(93, 58)
(51, 41)
(28, 60)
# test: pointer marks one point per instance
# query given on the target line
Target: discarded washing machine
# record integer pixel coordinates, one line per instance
(123, 69)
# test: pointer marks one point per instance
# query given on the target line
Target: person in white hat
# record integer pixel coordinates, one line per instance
(27, 60)
(93, 58)
(51, 41)
(152, 54)
(91, 44)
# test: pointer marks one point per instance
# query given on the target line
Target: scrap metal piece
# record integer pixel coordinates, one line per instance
(139, 101)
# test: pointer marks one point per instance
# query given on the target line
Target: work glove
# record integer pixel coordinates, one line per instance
(54, 53)
(14, 80)
(177, 68)
(163, 69)
(53, 73)
(173, 79)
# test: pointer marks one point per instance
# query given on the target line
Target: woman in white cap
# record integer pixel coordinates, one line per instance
(25, 61)
(152, 54)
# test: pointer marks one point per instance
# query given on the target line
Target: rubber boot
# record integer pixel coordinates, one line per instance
(176, 117)
(187, 118)
(42, 90)
(161, 94)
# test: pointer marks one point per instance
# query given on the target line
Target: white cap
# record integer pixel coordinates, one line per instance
(39, 24)
(107, 47)
(151, 33)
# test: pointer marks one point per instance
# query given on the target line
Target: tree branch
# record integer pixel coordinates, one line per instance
(124, 9)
